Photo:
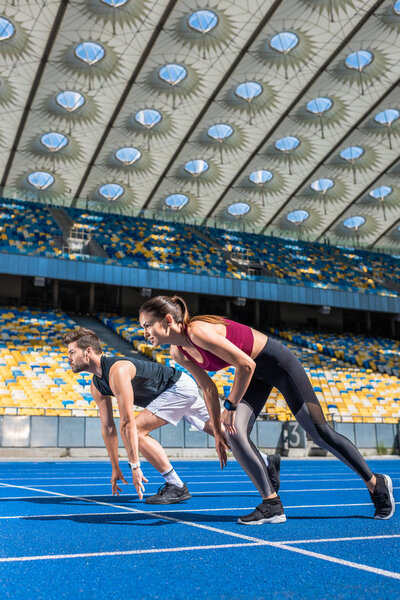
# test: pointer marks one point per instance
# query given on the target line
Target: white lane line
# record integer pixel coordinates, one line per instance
(124, 552)
(123, 497)
(284, 479)
(344, 539)
(157, 484)
(180, 510)
(208, 492)
(257, 541)
(229, 471)
(209, 547)
(63, 516)
(340, 561)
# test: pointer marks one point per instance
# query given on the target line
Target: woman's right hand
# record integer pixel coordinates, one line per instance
(228, 420)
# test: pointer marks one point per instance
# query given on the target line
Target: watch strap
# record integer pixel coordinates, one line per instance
(134, 465)
(229, 406)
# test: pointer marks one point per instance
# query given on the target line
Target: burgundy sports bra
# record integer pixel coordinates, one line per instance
(240, 335)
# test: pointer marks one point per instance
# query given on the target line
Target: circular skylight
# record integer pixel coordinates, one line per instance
(128, 155)
(115, 3)
(220, 132)
(381, 192)
(203, 20)
(248, 90)
(261, 176)
(396, 7)
(41, 180)
(196, 167)
(352, 153)
(69, 100)
(148, 117)
(287, 144)
(173, 74)
(6, 29)
(90, 52)
(54, 141)
(284, 42)
(298, 216)
(354, 222)
(319, 105)
(322, 185)
(358, 60)
(238, 209)
(386, 117)
(111, 191)
(176, 201)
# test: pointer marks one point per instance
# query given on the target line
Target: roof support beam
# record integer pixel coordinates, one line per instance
(292, 105)
(211, 99)
(382, 235)
(34, 88)
(117, 110)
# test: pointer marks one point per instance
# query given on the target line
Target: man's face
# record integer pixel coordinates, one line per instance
(77, 358)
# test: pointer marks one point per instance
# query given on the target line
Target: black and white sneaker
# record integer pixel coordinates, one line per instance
(169, 494)
(382, 497)
(270, 511)
(274, 465)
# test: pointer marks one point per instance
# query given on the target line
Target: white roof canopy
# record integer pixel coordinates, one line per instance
(283, 116)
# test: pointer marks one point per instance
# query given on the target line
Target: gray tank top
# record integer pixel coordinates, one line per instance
(150, 381)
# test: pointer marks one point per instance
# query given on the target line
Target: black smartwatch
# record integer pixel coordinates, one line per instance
(228, 405)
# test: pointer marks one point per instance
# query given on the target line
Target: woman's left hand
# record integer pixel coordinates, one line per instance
(228, 420)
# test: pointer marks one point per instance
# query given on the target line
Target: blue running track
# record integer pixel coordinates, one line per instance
(63, 535)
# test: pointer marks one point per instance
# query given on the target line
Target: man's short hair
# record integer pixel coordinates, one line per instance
(85, 338)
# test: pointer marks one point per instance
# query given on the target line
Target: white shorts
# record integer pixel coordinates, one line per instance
(181, 401)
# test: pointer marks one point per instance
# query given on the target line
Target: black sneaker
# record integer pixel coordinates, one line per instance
(270, 511)
(169, 494)
(274, 465)
(383, 497)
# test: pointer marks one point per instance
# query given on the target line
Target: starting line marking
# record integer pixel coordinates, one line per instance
(256, 541)
(123, 552)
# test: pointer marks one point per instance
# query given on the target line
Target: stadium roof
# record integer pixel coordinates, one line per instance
(282, 116)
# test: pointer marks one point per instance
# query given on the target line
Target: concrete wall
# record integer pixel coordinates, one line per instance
(84, 432)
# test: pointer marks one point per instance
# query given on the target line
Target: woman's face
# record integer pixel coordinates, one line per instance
(156, 331)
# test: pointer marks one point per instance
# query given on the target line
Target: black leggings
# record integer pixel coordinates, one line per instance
(277, 366)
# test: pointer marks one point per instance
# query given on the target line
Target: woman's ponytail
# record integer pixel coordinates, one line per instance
(184, 310)
(160, 306)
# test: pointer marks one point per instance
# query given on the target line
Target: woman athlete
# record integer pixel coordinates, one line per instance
(209, 343)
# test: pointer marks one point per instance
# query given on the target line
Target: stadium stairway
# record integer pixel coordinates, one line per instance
(62, 219)
(108, 337)
(65, 223)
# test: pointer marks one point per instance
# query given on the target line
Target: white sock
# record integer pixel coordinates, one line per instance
(265, 458)
(171, 476)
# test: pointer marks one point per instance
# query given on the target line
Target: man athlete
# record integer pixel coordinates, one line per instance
(166, 396)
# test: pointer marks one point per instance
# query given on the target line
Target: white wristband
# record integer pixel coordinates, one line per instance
(134, 465)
